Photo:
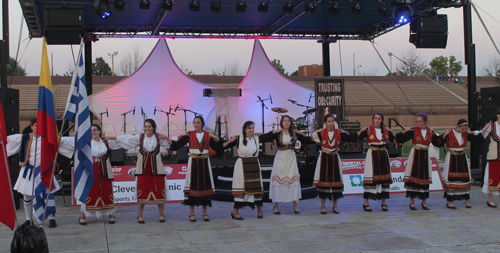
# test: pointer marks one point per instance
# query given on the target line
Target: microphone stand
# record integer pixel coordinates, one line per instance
(185, 116)
(125, 119)
(263, 106)
(100, 116)
(158, 109)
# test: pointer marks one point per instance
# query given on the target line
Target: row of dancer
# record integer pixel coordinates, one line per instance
(285, 184)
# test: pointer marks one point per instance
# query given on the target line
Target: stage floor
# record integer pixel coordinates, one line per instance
(353, 230)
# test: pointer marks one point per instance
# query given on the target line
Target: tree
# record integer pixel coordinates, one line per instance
(277, 64)
(295, 73)
(100, 68)
(131, 62)
(231, 68)
(493, 67)
(186, 69)
(443, 65)
(411, 65)
(14, 69)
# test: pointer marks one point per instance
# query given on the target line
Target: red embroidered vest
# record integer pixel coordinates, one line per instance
(193, 141)
(453, 143)
(325, 139)
(372, 135)
(418, 139)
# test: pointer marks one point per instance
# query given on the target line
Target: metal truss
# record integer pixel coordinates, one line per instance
(31, 16)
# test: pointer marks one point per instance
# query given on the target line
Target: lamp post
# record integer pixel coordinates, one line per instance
(113, 62)
(390, 55)
(354, 72)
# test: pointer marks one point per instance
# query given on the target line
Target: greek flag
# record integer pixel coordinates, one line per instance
(77, 111)
(40, 196)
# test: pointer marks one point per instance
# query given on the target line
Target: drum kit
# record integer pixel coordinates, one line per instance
(303, 123)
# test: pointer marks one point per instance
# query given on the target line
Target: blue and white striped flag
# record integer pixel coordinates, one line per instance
(77, 111)
(40, 196)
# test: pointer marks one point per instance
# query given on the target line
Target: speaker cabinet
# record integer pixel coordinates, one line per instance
(63, 17)
(63, 35)
(10, 101)
(429, 31)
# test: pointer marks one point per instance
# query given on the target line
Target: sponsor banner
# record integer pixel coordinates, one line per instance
(124, 186)
(353, 175)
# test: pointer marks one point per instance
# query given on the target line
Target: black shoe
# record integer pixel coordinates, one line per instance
(450, 207)
(207, 218)
(413, 208)
(385, 209)
(490, 205)
(323, 212)
(468, 206)
(192, 220)
(366, 208)
(52, 223)
(27, 223)
(276, 212)
(260, 216)
(296, 212)
(236, 218)
(140, 221)
(83, 223)
(162, 220)
(335, 212)
(425, 207)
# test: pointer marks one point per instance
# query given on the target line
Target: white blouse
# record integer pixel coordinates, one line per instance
(14, 146)
(132, 141)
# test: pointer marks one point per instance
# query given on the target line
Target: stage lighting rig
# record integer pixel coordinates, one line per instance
(167, 5)
(310, 7)
(119, 5)
(403, 14)
(144, 4)
(215, 6)
(263, 6)
(288, 7)
(194, 5)
(356, 7)
(382, 8)
(241, 6)
(101, 7)
(335, 8)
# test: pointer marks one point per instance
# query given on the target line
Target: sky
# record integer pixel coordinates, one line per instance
(203, 56)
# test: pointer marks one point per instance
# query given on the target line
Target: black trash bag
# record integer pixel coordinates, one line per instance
(29, 239)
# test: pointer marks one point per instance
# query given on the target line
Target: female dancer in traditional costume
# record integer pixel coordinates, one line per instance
(418, 172)
(285, 184)
(150, 174)
(456, 174)
(491, 183)
(199, 184)
(247, 179)
(100, 200)
(377, 176)
(328, 173)
(29, 147)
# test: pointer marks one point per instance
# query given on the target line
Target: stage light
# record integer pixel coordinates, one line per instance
(194, 5)
(310, 7)
(215, 6)
(356, 7)
(403, 14)
(263, 6)
(241, 6)
(334, 8)
(101, 7)
(288, 7)
(144, 4)
(167, 5)
(119, 5)
(382, 9)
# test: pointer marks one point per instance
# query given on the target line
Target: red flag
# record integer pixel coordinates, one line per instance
(7, 213)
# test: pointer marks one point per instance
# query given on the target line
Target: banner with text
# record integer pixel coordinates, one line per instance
(124, 186)
(329, 92)
(353, 175)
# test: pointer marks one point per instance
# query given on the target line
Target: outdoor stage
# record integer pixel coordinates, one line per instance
(353, 230)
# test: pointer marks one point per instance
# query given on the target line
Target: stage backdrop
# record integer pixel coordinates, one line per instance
(329, 93)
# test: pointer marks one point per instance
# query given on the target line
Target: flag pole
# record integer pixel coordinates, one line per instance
(33, 172)
(8, 175)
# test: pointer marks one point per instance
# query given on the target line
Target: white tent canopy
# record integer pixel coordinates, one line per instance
(160, 82)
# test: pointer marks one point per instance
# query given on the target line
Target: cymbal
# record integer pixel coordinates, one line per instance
(274, 124)
(279, 109)
(310, 111)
